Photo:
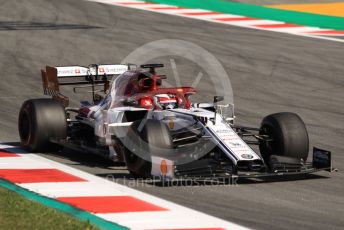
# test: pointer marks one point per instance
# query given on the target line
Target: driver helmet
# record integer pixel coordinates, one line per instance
(165, 101)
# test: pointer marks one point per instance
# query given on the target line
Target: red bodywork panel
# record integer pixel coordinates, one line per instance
(146, 88)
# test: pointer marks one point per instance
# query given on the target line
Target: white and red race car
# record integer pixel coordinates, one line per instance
(157, 132)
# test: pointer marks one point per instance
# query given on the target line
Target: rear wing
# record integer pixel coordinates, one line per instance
(54, 77)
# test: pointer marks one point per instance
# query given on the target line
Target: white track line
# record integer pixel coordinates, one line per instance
(22, 163)
(248, 23)
(68, 189)
(158, 219)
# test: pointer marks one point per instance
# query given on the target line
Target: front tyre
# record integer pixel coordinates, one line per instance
(144, 139)
(289, 136)
(39, 121)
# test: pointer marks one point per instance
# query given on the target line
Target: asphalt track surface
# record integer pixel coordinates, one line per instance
(270, 72)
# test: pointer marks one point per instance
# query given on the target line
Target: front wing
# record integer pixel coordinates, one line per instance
(207, 169)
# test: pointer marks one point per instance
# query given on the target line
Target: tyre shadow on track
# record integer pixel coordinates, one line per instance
(246, 181)
(151, 182)
(281, 179)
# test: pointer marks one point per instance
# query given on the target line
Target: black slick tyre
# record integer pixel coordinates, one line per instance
(289, 136)
(39, 121)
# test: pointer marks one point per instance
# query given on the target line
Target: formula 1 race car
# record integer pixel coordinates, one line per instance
(157, 131)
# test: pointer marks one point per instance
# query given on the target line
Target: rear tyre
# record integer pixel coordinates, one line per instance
(289, 134)
(39, 120)
(153, 138)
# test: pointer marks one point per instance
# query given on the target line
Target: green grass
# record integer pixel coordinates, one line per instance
(16, 212)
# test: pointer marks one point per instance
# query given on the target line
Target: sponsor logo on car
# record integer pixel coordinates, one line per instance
(224, 131)
(235, 144)
(163, 168)
(246, 156)
(171, 124)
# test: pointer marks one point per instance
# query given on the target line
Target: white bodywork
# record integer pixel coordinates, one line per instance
(219, 129)
(223, 134)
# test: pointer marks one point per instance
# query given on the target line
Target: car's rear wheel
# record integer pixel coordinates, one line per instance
(289, 136)
(144, 139)
(39, 121)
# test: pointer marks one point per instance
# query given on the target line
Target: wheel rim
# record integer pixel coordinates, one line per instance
(266, 130)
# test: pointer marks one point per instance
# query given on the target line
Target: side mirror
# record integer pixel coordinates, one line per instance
(218, 99)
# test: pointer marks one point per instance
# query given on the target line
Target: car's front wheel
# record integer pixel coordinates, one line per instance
(289, 136)
(144, 139)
